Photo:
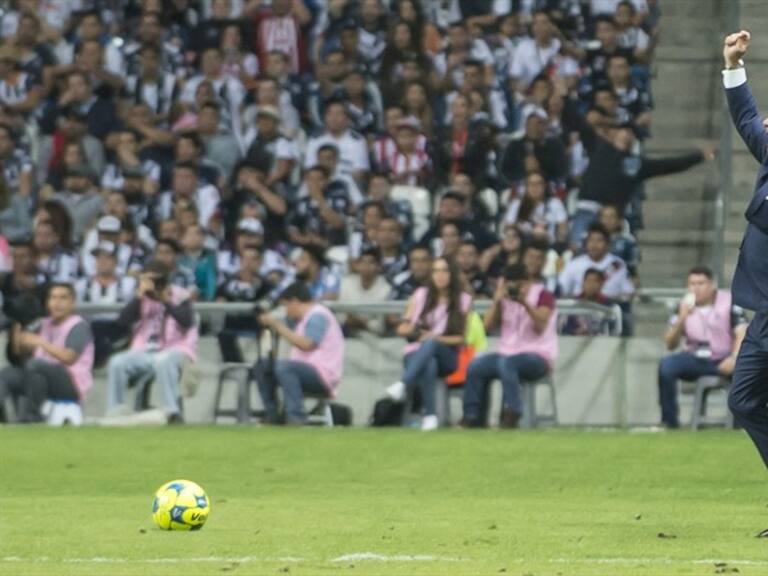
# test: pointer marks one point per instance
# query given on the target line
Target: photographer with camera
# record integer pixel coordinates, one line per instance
(526, 351)
(60, 357)
(316, 360)
(434, 326)
(162, 321)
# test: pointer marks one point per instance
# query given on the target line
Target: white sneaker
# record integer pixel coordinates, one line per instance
(429, 423)
(396, 391)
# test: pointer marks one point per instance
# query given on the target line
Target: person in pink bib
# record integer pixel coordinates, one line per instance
(712, 329)
(527, 348)
(161, 320)
(434, 325)
(316, 361)
(61, 363)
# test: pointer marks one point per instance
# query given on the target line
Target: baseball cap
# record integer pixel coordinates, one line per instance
(250, 226)
(109, 225)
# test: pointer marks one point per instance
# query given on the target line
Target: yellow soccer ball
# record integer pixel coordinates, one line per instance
(180, 505)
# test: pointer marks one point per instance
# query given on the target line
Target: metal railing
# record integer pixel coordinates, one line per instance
(611, 314)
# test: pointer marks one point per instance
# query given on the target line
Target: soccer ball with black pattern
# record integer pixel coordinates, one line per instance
(180, 505)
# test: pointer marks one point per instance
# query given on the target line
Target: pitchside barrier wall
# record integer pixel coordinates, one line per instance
(600, 381)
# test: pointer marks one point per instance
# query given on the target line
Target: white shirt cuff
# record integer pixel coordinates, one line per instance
(734, 78)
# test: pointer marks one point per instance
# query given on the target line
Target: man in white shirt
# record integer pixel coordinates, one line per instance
(368, 285)
(618, 285)
(534, 54)
(353, 149)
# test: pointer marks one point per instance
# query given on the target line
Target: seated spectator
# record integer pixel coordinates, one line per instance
(53, 260)
(269, 205)
(161, 321)
(338, 182)
(389, 242)
(99, 113)
(623, 244)
(365, 285)
(535, 259)
(505, 253)
(271, 93)
(152, 86)
(127, 158)
(17, 168)
(187, 187)
(167, 252)
(195, 260)
(474, 280)
(353, 151)
(106, 286)
(312, 270)
(385, 146)
(316, 359)
(454, 208)
(409, 166)
(244, 284)
(448, 240)
(363, 103)
(592, 292)
(539, 214)
(15, 221)
(270, 151)
(367, 227)
(319, 218)
(221, 148)
(534, 151)
(20, 91)
(618, 286)
(189, 149)
(631, 36)
(534, 54)
(711, 328)
(434, 325)
(416, 276)
(23, 291)
(527, 347)
(634, 102)
(250, 234)
(62, 358)
(380, 190)
(81, 198)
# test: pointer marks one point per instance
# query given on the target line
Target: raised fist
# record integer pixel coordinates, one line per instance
(735, 47)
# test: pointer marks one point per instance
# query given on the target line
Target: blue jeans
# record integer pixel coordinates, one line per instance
(580, 223)
(424, 366)
(748, 396)
(510, 370)
(680, 366)
(295, 378)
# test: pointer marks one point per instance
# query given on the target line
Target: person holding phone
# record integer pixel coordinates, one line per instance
(711, 328)
(433, 326)
(162, 322)
(527, 316)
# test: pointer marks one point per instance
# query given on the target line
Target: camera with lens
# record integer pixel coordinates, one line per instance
(263, 307)
(513, 291)
(160, 283)
(415, 334)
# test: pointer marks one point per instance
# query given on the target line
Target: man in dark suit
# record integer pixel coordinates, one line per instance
(748, 398)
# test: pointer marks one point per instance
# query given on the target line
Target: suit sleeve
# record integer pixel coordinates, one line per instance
(744, 112)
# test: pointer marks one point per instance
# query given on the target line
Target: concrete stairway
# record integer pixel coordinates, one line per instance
(687, 90)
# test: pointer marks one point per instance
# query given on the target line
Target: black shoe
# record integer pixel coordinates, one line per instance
(509, 418)
(763, 534)
(175, 418)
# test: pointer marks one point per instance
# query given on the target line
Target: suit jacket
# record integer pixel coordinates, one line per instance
(750, 281)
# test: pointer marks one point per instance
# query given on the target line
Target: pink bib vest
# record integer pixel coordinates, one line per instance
(713, 328)
(437, 320)
(81, 372)
(328, 356)
(518, 335)
(172, 337)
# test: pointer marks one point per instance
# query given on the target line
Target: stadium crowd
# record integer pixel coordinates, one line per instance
(239, 146)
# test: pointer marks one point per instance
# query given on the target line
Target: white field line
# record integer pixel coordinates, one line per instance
(367, 556)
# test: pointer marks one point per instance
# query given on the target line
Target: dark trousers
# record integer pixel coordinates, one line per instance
(680, 366)
(749, 389)
(35, 383)
(236, 326)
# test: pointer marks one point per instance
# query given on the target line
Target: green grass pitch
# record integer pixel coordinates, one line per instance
(375, 502)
